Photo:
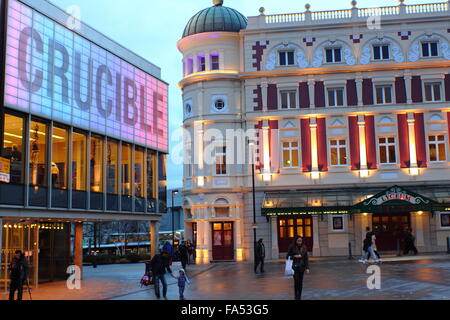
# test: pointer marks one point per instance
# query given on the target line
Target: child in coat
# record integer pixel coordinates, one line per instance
(182, 280)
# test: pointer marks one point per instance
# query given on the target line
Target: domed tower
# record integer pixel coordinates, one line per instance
(212, 105)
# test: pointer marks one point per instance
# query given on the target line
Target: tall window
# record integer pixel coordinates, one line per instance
(430, 49)
(162, 183)
(215, 65)
(290, 151)
(201, 63)
(60, 140)
(112, 167)
(286, 58)
(190, 66)
(126, 169)
(384, 94)
(139, 174)
(386, 147)
(96, 163)
(433, 92)
(188, 159)
(151, 181)
(12, 152)
(436, 147)
(338, 152)
(79, 144)
(288, 99)
(333, 55)
(335, 97)
(13, 149)
(221, 160)
(38, 164)
(381, 52)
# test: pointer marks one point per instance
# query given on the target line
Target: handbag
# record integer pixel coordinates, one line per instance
(288, 271)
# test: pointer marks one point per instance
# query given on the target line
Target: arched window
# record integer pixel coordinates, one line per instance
(221, 208)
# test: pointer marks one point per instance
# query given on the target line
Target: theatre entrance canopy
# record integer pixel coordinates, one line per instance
(347, 201)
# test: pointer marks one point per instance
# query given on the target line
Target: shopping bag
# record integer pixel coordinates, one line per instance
(288, 271)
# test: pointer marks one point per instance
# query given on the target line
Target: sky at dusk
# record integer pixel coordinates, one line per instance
(151, 28)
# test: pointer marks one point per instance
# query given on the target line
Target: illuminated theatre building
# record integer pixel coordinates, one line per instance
(83, 137)
(353, 128)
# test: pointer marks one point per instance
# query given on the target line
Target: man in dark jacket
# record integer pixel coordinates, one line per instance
(159, 264)
(18, 273)
(184, 254)
(409, 243)
(260, 255)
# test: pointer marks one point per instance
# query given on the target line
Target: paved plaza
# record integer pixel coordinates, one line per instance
(401, 278)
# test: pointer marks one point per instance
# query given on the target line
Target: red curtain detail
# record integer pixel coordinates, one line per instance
(306, 145)
(354, 143)
(367, 92)
(304, 95)
(419, 129)
(272, 97)
(319, 94)
(322, 144)
(416, 89)
(447, 87)
(352, 97)
(273, 125)
(400, 90)
(371, 145)
(403, 141)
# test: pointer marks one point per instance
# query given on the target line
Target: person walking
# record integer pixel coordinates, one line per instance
(184, 254)
(159, 265)
(298, 252)
(366, 244)
(409, 243)
(168, 248)
(260, 255)
(18, 274)
(181, 281)
(375, 250)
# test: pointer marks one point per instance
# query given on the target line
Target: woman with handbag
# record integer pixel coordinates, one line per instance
(298, 252)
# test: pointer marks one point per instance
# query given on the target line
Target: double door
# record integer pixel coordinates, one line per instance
(222, 241)
(390, 230)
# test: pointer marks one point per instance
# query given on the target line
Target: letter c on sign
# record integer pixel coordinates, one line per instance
(25, 35)
(98, 91)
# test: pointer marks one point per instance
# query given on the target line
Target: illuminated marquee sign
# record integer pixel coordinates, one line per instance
(55, 73)
(396, 194)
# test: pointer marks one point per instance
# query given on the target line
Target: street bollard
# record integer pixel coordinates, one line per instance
(350, 256)
(448, 245)
(398, 248)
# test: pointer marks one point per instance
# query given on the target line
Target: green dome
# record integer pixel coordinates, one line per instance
(216, 18)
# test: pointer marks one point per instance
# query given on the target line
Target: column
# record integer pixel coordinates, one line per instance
(199, 248)
(154, 237)
(359, 90)
(264, 93)
(266, 150)
(198, 154)
(362, 146)
(208, 61)
(316, 238)
(412, 144)
(408, 86)
(274, 238)
(315, 174)
(195, 63)
(78, 247)
(418, 229)
(207, 251)
(312, 89)
(239, 252)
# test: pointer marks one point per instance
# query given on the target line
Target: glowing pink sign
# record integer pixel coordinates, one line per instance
(55, 73)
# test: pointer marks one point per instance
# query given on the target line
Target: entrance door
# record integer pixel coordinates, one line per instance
(288, 228)
(390, 227)
(222, 241)
(54, 251)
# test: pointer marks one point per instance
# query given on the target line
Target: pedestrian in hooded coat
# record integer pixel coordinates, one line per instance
(260, 255)
(409, 243)
(298, 252)
(159, 264)
(184, 254)
(18, 274)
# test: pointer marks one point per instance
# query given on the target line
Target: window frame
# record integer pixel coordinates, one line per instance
(437, 143)
(333, 55)
(440, 220)
(380, 46)
(291, 149)
(335, 89)
(332, 225)
(223, 166)
(286, 53)
(289, 92)
(384, 87)
(429, 42)
(338, 147)
(387, 144)
(213, 64)
(432, 83)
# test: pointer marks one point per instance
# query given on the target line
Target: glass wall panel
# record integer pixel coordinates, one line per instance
(151, 181)
(126, 177)
(139, 179)
(112, 175)
(96, 167)
(12, 152)
(59, 165)
(38, 164)
(79, 178)
(162, 183)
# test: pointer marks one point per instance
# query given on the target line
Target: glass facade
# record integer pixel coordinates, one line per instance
(56, 166)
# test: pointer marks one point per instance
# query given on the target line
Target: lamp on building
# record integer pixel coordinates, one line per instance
(200, 181)
(414, 171)
(364, 173)
(315, 175)
(173, 217)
